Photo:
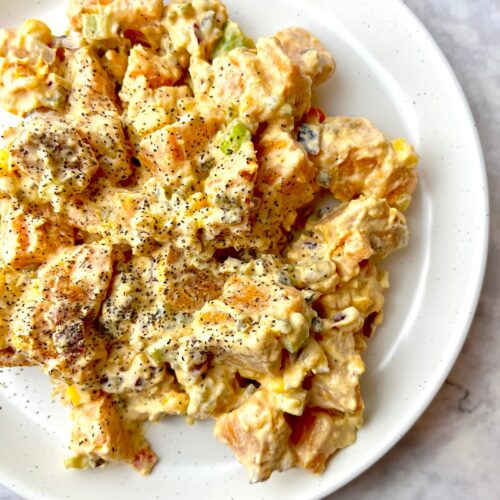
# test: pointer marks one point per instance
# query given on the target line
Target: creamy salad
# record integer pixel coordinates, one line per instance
(163, 251)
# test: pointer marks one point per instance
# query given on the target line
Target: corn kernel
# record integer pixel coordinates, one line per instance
(403, 202)
(399, 144)
(38, 30)
(275, 385)
(199, 204)
(405, 153)
(174, 402)
(42, 69)
(361, 303)
(4, 162)
(73, 395)
(384, 279)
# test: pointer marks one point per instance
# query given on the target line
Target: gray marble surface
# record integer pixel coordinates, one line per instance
(453, 451)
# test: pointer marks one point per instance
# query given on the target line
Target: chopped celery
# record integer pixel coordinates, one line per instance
(324, 179)
(77, 462)
(158, 350)
(4, 162)
(292, 402)
(156, 354)
(232, 38)
(294, 341)
(97, 26)
(317, 325)
(73, 395)
(298, 335)
(236, 135)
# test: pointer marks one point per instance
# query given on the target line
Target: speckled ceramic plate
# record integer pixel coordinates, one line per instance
(391, 71)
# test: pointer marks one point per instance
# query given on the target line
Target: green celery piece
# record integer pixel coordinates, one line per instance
(236, 135)
(293, 342)
(232, 38)
(292, 402)
(77, 462)
(158, 350)
(97, 27)
(156, 354)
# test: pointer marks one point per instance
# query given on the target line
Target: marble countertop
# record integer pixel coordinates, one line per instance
(452, 452)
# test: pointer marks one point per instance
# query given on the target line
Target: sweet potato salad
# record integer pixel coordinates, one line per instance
(182, 233)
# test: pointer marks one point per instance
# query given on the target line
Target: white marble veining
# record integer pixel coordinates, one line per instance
(453, 451)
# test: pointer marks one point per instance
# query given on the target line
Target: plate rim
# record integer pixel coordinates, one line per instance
(474, 294)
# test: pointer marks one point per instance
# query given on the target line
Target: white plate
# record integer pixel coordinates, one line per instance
(390, 70)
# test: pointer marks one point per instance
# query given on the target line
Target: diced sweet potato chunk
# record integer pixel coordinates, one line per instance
(54, 154)
(93, 111)
(383, 227)
(337, 244)
(338, 389)
(171, 151)
(100, 435)
(312, 57)
(285, 181)
(258, 435)
(262, 86)
(356, 159)
(30, 237)
(52, 320)
(317, 434)
(158, 70)
(149, 110)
